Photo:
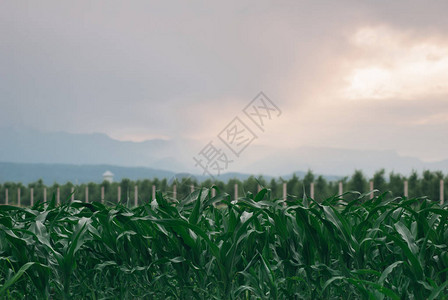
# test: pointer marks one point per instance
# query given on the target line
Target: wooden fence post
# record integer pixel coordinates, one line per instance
(442, 192)
(136, 196)
(312, 190)
(31, 196)
(341, 190)
(153, 192)
(18, 197)
(406, 192)
(58, 196)
(87, 194)
(236, 191)
(119, 194)
(73, 194)
(371, 189)
(45, 194)
(285, 195)
(6, 197)
(102, 194)
(174, 191)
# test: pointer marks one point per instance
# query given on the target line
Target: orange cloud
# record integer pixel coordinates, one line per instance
(396, 64)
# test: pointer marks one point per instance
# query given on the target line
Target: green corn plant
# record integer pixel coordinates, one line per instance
(204, 247)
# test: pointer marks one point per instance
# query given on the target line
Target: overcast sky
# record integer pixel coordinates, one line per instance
(346, 74)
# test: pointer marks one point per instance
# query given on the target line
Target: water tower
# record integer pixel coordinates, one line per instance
(108, 176)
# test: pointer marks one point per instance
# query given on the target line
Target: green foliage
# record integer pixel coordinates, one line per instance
(426, 185)
(358, 182)
(205, 247)
(379, 180)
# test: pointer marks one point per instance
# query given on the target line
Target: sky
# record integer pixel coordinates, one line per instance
(345, 74)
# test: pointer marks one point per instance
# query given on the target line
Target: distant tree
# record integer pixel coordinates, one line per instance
(273, 185)
(396, 184)
(125, 189)
(145, 190)
(220, 185)
(379, 181)
(66, 190)
(164, 184)
(184, 186)
(250, 185)
(262, 181)
(292, 186)
(95, 191)
(428, 185)
(414, 185)
(208, 183)
(358, 182)
(307, 180)
(321, 189)
(111, 193)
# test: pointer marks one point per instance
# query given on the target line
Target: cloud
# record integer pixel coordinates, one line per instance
(433, 119)
(396, 64)
(145, 69)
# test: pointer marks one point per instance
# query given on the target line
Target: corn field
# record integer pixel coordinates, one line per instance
(205, 247)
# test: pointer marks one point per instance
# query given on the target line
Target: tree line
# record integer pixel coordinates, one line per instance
(425, 184)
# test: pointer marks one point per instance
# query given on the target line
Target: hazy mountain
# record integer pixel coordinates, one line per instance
(341, 162)
(62, 173)
(27, 146)
(163, 158)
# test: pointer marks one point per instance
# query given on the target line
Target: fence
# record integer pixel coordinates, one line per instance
(136, 198)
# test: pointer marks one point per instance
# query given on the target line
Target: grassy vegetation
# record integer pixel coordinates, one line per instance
(255, 247)
(427, 183)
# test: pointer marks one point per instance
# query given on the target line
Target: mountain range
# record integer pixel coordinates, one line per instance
(28, 155)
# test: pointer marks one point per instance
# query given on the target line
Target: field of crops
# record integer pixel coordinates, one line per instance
(254, 247)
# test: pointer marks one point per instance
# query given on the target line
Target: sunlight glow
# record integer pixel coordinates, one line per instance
(391, 64)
